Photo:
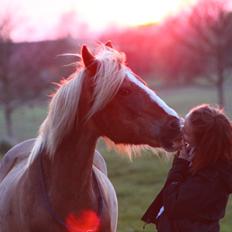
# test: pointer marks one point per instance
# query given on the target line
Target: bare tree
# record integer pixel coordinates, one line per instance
(5, 50)
(26, 70)
(205, 35)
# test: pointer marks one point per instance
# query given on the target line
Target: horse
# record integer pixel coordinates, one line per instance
(58, 182)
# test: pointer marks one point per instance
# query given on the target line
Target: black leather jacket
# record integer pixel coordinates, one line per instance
(192, 203)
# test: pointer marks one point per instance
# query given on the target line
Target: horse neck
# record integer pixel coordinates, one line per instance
(70, 172)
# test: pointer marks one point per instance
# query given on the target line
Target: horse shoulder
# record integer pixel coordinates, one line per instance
(99, 162)
(14, 156)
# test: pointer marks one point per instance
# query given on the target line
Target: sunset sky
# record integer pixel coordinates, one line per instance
(38, 19)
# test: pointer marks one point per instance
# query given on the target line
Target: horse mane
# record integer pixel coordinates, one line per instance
(63, 108)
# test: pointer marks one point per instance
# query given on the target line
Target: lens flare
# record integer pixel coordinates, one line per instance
(87, 221)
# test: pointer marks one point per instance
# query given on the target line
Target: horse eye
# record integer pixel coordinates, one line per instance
(124, 91)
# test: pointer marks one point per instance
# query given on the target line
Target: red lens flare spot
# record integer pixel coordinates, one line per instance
(87, 221)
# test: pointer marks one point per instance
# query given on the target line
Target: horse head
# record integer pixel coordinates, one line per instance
(123, 108)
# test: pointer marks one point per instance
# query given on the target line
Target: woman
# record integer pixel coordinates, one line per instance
(198, 185)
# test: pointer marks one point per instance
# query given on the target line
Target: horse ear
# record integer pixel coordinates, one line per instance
(87, 57)
(109, 44)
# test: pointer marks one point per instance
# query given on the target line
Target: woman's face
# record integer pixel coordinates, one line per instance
(188, 133)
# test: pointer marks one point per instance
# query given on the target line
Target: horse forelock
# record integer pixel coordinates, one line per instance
(108, 78)
(63, 108)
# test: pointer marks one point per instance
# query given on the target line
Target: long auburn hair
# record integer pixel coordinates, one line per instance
(212, 134)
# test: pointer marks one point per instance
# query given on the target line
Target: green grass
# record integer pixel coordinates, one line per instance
(26, 122)
(138, 181)
(183, 99)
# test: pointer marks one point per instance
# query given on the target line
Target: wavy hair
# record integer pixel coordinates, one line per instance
(212, 135)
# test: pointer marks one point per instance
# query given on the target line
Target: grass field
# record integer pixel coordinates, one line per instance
(138, 181)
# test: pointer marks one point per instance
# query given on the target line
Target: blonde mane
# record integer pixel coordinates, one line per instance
(63, 108)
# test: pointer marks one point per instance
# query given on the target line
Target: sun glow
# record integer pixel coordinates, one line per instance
(128, 12)
(41, 18)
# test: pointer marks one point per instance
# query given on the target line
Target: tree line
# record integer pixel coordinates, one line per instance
(194, 46)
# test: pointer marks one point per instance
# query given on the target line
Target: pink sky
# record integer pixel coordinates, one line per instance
(39, 19)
